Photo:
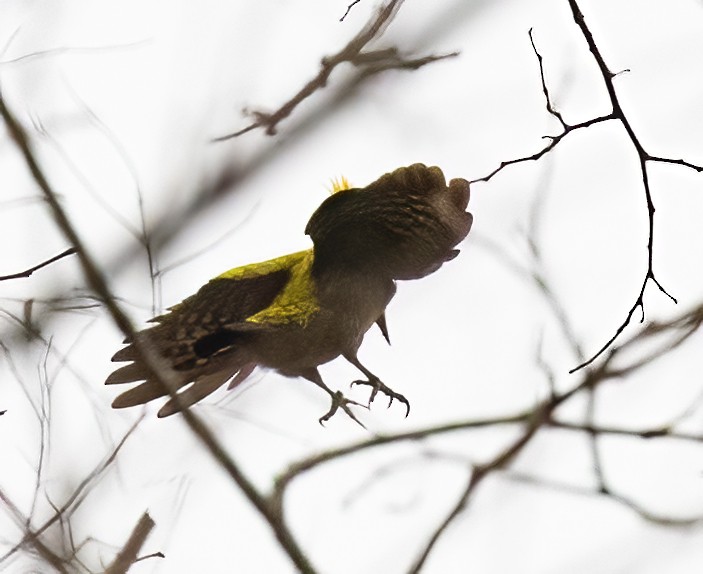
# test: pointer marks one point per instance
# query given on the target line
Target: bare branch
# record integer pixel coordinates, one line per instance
(156, 366)
(390, 59)
(682, 162)
(40, 54)
(75, 498)
(539, 415)
(298, 468)
(373, 63)
(553, 142)
(130, 551)
(550, 105)
(649, 433)
(620, 499)
(373, 27)
(44, 551)
(617, 113)
(28, 272)
(349, 10)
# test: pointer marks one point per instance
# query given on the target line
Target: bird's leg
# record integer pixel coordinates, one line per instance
(377, 385)
(338, 399)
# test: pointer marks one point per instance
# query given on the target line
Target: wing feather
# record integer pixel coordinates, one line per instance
(205, 337)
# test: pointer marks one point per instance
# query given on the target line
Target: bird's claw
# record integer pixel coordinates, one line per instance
(340, 401)
(378, 386)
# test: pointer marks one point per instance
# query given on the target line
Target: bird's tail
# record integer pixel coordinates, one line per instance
(191, 388)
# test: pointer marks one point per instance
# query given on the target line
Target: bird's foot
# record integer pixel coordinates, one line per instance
(340, 401)
(377, 386)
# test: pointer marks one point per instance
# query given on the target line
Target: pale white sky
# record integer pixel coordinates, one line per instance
(129, 105)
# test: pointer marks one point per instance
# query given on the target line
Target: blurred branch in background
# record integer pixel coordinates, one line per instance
(541, 418)
(156, 366)
(38, 540)
(129, 555)
(369, 62)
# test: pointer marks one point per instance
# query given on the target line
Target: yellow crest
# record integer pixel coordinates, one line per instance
(339, 184)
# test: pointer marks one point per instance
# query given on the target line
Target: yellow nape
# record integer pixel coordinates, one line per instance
(339, 184)
(297, 302)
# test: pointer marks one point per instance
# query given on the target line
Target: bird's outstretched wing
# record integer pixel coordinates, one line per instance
(204, 338)
(404, 225)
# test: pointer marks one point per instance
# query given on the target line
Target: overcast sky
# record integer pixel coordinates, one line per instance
(123, 107)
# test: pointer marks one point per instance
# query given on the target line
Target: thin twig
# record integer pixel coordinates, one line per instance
(42, 549)
(644, 157)
(540, 417)
(349, 10)
(482, 471)
(620, 499)
(553, 142)
(76, 497)
(372, 28)
(647, 433)
(298, 468)
(51, 52)
(373, 61)
(28, 272)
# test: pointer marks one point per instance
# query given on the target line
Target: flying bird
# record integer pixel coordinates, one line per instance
(299, 311)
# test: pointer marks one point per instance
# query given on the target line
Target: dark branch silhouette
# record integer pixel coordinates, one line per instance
(28, 272)
(349, 10)
(129, 554)
(618, 114)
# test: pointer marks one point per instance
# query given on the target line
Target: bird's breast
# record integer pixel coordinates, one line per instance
(347, 308)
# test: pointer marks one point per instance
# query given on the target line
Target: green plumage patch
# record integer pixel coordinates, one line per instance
(296, 302)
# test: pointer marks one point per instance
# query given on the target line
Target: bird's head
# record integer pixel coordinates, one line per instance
(404, 225)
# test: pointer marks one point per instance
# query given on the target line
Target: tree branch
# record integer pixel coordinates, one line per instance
(129, 554)
(644, 157)
(155, 365)
(33, 536)
(372, 62)
(28, 272)
(644, 513)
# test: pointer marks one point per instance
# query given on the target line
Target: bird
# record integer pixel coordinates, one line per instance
(296, 312)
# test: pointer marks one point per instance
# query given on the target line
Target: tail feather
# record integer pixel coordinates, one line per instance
(150, 389)
(128, 353)
(198, 390)
(128, 374)
(139, 395)
(241, 376)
